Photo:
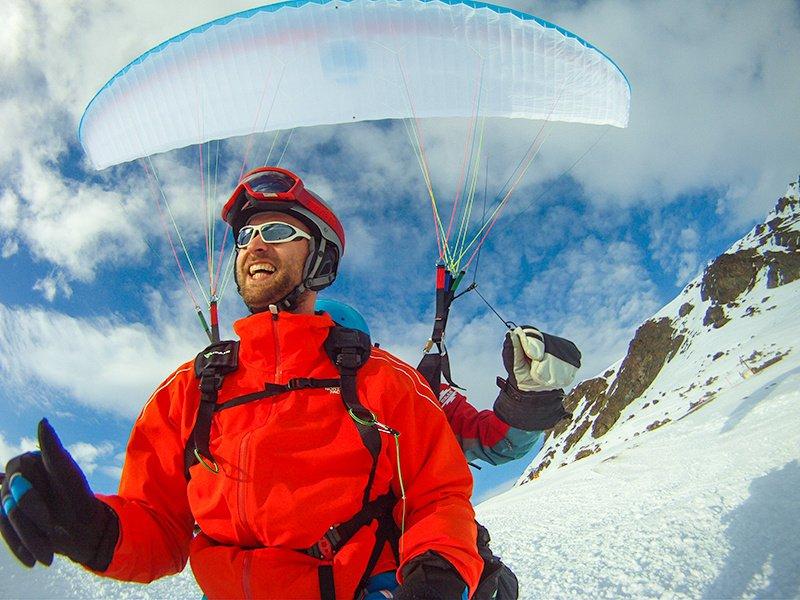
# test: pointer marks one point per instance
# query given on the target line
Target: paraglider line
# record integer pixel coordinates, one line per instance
(420, 152)
(221, 259)
(469, 147)
(530, 155)
(564, 172)
(166, 230)
(251, 137)
(177, 231)
(285, 147)
(272, 147)
(509, 324)
(462, 236)
(228, 274)
(207, 224)
(483, 220)
(496, 214)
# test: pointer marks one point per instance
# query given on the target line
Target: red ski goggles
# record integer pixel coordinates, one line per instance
(275, 189)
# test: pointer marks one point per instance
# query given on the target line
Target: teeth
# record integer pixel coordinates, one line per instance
(261, 267)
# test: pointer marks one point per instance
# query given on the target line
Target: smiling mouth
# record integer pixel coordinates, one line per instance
(260, 271)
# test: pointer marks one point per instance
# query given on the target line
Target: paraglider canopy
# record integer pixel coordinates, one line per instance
(303, 63)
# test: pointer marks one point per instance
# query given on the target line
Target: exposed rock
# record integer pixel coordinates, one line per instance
(751, 310)
(657, 424)
(653, 345)
(730, 275)
(785, 202)
(586, 452)
(543, 464)
(715, 316)
(685, 309)
(767, 363)
(593, 390)
(576, 435)
(782, 268)
(704, 399)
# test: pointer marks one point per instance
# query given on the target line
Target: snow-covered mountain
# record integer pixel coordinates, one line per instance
(717, 331)
(679, 473)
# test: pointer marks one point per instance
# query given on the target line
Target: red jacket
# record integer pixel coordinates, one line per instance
(291, 466)
(483, 435)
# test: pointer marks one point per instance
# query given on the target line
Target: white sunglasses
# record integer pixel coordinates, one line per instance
(274, 232)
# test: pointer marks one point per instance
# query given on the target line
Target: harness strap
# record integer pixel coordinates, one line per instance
(273, 389)
(338, 535)
(210, 366)
(348, 349)
(436, 365)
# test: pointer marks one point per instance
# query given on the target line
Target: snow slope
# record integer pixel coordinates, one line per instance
(706, 506)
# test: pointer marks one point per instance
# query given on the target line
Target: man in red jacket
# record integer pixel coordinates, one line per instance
(272, 478)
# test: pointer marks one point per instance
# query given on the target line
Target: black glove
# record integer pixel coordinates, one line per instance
(48, 507)
(430, 577)
(539, 365)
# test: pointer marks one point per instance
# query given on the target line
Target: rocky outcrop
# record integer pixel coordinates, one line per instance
(655, 343)
(735, 273)
(715, 316)
(731, 275)
(782, 267)
(593, 392)
(769, 253)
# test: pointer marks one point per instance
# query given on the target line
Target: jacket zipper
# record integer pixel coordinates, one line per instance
(246, 588)
(243, 458)
(274, 310)
(241, 485)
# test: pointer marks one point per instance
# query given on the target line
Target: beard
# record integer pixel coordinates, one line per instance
(259, 294)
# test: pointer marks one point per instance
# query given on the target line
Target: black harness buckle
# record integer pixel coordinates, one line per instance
(328, 545)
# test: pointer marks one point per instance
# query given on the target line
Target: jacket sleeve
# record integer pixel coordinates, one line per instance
(482, 435)
(155, 519)
(437, 513)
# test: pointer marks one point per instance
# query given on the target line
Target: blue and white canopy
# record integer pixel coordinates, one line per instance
(304, 62)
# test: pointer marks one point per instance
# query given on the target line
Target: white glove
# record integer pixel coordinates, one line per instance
(537, 361)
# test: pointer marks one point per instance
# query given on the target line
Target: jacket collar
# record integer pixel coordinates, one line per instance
(293, 340)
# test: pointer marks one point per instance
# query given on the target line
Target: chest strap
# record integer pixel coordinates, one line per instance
(349, 350)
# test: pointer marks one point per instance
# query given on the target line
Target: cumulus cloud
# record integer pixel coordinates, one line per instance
(9, 450)
(10, 248)
(714, 96)
(103, 363)
(52, 285)
(714, 113)
(88, 455)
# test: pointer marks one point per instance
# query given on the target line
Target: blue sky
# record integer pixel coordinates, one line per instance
(92, 312)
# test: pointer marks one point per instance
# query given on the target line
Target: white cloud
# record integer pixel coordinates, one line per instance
(714, 97)
(52, 285)
(9, 210)
(87, 455)
(9, 450)
(10, 248)
(103, 363)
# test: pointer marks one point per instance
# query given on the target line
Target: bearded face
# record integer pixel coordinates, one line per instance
(266, 273)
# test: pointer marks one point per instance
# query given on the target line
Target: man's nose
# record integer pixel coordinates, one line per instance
(258, 243)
